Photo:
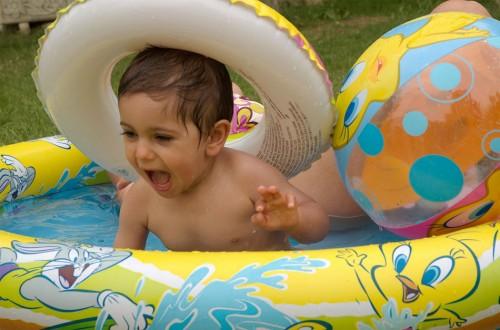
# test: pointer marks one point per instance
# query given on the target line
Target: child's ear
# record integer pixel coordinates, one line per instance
(217, 137)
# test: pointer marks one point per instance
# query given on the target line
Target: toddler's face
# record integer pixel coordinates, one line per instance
(165, 152)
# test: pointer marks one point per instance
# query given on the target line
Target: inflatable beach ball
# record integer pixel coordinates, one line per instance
(418, 137)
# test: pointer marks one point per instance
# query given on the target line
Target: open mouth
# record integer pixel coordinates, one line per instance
(159, 179)
(411, 292)
(66, 277)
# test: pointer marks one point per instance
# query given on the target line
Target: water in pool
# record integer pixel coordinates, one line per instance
(90, 215)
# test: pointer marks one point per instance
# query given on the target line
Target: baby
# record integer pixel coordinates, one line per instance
(192, 192)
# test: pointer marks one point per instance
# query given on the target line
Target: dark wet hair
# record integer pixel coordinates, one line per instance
(202, 85)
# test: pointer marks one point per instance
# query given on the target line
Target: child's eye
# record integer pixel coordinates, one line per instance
(163, 138)
(128, 134)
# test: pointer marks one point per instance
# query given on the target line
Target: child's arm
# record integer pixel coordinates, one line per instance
(132, 229)
(291, 212)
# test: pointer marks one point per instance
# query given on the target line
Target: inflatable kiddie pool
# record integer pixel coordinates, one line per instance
(438, 282)
(54, 284)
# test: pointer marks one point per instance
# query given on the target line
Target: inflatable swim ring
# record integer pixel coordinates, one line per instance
(73, 72)
(431, 283)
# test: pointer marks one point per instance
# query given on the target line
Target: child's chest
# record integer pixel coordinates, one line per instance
(208, 224)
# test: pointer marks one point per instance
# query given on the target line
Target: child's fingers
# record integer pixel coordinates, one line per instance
(265, 193)
(258, 219)
(260, 205)
(267, 189)
(273, 189)
(261, 189)
(272, 197)
(290, 200)
(268, 193)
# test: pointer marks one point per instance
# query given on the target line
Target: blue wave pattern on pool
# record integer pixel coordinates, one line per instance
(235, 305)
(90, 215)
(65, 182)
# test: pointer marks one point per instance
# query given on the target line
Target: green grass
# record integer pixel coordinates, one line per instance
(340, 30)
(21, 114)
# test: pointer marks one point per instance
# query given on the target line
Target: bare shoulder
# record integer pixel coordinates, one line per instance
(252, 172)
(250, 168)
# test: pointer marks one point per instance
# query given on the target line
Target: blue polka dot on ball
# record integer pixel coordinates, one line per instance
(436, 178)
(415, 123)
(495, 145)
(445, 76)
(494, 41)
(371, 140)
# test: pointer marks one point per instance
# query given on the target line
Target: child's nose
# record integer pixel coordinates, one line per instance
(143, 150)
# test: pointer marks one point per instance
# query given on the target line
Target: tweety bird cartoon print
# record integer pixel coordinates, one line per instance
(421, 280)
(381, 69)
(482, 206)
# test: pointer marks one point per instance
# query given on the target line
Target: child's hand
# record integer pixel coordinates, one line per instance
(275, 211)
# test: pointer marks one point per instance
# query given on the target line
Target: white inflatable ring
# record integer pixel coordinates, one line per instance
(79, 50)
